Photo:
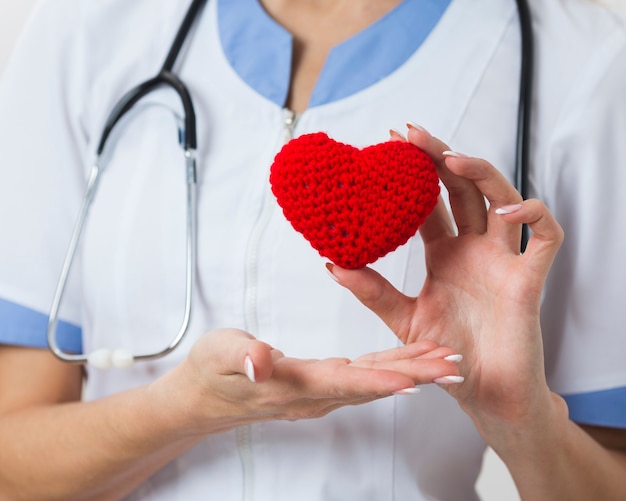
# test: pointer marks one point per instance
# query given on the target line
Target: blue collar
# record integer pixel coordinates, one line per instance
(259, 49)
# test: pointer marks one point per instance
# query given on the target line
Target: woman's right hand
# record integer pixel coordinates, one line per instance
(230, 379)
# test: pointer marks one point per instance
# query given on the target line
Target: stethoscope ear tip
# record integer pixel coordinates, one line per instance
(105, 359)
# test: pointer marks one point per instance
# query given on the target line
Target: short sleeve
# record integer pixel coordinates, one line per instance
(584, 313)
(42, 151)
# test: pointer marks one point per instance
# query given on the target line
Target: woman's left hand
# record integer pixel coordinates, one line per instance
(481, 296)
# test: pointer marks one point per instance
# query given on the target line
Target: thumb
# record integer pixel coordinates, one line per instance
(376, 293)
(258, 362)
(243, 354)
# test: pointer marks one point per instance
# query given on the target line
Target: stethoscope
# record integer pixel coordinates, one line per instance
(104, 358)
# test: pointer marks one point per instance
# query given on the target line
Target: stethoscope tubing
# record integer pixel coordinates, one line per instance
(104, 358)
(167, 79)
(524, 109)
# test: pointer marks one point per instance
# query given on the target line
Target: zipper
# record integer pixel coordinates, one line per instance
(290, 120)
(245, 455)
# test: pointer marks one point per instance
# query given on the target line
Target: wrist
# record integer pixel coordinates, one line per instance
(173, 398)
(528, 431)
(187, 410)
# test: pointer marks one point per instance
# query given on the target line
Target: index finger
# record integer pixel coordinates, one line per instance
(466, 200)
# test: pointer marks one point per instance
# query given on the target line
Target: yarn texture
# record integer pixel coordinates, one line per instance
(353, 205)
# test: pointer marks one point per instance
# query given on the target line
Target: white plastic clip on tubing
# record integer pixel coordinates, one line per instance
(104, 358)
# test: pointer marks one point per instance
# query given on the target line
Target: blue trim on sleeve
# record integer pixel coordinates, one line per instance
(22, 326)
(599, 408)
(260, 50)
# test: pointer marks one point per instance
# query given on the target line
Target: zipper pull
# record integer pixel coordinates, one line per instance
(291, 117)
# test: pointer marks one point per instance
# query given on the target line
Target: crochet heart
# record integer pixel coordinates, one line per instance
(354, 205)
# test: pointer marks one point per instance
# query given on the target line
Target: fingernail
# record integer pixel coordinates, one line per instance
(329, 269)
(508, 209)
(249, 368)
(454, 358)
(394, 134)
(449, 380)
(456, 154)
(407, 391)
(413, 125)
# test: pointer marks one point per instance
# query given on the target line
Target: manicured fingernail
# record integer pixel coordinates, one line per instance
(454, 358)
(407, 391)
(395, 135)
(508, 209)
(456, 154)
(449, 380)
(329, 269)
(413, 125)
(249, 368)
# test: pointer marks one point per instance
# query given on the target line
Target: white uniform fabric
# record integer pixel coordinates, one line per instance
(255, 272)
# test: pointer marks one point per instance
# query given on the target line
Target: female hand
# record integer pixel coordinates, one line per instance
(481, 296)
(230, 379)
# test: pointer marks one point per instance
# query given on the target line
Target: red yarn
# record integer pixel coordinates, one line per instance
(354, 205)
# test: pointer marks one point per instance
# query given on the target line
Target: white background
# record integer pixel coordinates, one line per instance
(495, 483)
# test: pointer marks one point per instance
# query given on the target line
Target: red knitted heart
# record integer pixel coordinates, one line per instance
(354, 205)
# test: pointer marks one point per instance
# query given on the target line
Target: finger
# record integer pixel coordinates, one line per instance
(335, 379)
(238, 352)
(434, 147)
(424, 361)
(420, 370)
(330, 379)
(438, 223)
(394, 135)
(495, 188)
(423, 348)
(377, 294)
(259, 361)
(466, 201)
(547, 234)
